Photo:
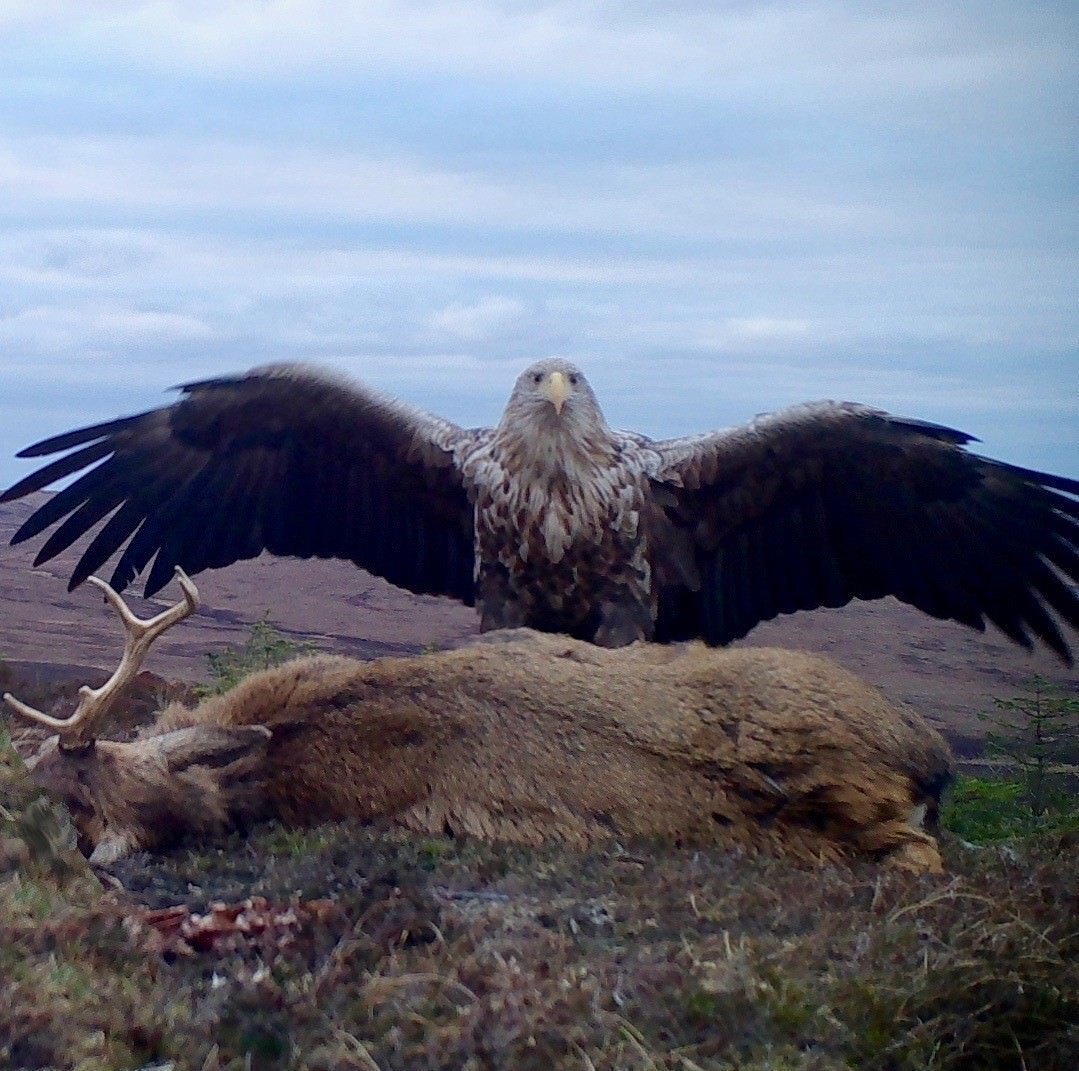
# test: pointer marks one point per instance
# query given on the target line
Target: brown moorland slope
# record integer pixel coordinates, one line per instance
(947, 672)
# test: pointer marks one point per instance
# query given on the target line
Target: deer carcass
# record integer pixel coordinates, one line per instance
(530, 738)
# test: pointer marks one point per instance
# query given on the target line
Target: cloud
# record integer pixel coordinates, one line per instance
(477, 320)
(768, 327)
(130, 177)
(813, 49)
(95, 325)
(715, 208)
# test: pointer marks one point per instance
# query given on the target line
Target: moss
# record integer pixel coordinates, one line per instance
(297, 842)
(430, 852)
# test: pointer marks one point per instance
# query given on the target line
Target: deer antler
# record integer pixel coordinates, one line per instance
(76, 731)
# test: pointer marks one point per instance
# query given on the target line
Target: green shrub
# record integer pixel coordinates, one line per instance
(1032, 740)
(263, 648)
(1036, 734)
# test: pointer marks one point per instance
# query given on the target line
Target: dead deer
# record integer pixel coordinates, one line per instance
(529, 738)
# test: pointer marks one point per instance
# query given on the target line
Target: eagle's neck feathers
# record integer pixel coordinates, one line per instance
(553, 457)
(556, 484)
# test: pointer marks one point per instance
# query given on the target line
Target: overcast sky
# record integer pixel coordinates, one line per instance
(716, 208)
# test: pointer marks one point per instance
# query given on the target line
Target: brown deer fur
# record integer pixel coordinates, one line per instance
(530, 739)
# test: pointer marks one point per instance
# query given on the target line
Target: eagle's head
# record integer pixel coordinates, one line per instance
(553, 396)
(553, 425)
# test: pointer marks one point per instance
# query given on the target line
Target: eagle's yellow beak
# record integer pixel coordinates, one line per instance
(556, 390)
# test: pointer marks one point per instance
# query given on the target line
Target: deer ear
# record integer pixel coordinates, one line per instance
(213, 746)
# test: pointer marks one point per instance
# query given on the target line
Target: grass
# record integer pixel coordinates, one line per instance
(391, 953)
(984, 810)
(281, 840)
(447, 954)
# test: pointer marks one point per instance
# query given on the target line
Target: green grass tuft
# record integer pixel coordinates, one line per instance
(984, 810)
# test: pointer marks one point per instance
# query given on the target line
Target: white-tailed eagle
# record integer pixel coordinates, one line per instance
(554, 520)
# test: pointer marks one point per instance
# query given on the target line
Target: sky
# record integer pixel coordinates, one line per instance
(716, 209)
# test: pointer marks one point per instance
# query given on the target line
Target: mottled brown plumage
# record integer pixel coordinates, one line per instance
(554, 520)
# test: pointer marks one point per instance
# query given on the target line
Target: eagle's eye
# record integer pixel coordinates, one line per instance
(536, 377)
(574, 379)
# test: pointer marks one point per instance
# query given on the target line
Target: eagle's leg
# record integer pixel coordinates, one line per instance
(498, 605)
(622, 623)
(497, 615)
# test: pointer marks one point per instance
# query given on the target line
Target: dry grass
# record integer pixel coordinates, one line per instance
(441, 954)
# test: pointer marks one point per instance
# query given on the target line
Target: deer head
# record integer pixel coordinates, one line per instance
(124, 796)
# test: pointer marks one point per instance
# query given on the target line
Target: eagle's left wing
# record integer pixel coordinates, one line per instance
(291, 459)
(822, 503)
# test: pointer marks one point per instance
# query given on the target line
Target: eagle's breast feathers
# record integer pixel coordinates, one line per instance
(562, 523)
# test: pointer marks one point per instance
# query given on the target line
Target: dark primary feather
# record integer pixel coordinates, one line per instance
(282, 459)
(820, 504)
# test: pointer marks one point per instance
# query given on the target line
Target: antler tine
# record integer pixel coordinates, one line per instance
(76, 730)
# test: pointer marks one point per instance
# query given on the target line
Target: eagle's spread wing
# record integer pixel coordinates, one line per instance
(822, 503)
(287, 459)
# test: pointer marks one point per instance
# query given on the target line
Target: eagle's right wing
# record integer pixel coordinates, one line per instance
(827, 502)
(294, 460)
